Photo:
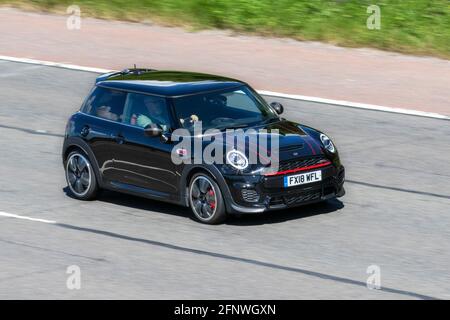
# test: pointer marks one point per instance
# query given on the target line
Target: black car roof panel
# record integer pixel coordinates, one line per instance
(167, 83)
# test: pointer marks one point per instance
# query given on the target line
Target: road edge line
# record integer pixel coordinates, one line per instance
(341, 103)
(54, 64)
(356, 105)
(16, 216)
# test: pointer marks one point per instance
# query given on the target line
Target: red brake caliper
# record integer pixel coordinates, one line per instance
(212, 204)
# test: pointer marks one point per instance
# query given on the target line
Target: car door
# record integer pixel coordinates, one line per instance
(102, 129)
(144, 161)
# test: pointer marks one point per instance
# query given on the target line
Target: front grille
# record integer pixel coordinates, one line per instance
(299, 163)
(296, 198)
(302, 197)
(250, 195)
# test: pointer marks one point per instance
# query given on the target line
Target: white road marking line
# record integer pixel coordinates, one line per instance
(357, 105)
(341, 103)
(16, 216)
(54, 64)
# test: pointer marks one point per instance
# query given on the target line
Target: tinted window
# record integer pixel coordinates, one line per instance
(142, 110)
(223, 109)
(106, 104)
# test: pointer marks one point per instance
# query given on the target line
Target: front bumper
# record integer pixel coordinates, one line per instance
(255, 194)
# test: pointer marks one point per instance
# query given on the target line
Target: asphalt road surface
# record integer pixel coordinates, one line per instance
(396, 214)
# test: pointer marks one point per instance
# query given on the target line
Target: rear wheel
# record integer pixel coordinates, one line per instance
(205, 199)
(80, 176)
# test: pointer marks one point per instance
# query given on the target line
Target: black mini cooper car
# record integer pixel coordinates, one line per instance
(122, 139)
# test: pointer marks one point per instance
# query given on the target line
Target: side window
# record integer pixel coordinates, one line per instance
(106, 103)
(142, 110)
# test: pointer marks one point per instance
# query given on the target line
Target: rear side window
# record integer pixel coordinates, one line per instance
(106, 103)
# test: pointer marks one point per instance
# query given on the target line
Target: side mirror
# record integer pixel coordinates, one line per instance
(153, 130)
(278, 107)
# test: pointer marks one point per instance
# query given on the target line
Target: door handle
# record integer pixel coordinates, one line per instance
(120, 139)
(85, 131)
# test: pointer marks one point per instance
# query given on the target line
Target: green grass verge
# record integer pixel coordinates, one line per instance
(417, 27)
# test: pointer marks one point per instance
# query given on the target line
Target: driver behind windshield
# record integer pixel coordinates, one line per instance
(228, 109)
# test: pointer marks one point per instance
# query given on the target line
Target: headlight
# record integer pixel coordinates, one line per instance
(237, 159)
(327, 143)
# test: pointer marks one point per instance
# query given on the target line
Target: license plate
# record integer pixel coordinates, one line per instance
(302, 178)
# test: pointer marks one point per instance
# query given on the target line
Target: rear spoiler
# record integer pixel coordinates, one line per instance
(135, 71)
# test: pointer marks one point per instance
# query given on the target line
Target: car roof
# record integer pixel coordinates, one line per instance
(166, 83)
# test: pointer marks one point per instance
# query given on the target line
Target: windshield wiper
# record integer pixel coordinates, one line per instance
(270, 120)
(233, 126)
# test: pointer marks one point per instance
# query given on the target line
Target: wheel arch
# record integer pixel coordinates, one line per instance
(74, 143)
(190, 170)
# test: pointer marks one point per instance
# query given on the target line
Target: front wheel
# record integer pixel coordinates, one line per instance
(205, 199)
(80, 176)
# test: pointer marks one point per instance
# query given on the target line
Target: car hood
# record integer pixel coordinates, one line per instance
(294, 140)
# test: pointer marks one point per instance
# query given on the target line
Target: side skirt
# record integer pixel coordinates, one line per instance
(142, 192)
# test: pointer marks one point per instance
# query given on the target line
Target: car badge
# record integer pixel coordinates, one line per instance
(182, 152)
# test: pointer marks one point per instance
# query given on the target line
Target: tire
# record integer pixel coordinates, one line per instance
(80, 176)
(205, 199)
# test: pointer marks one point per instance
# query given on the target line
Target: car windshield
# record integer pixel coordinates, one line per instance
(233, 108)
